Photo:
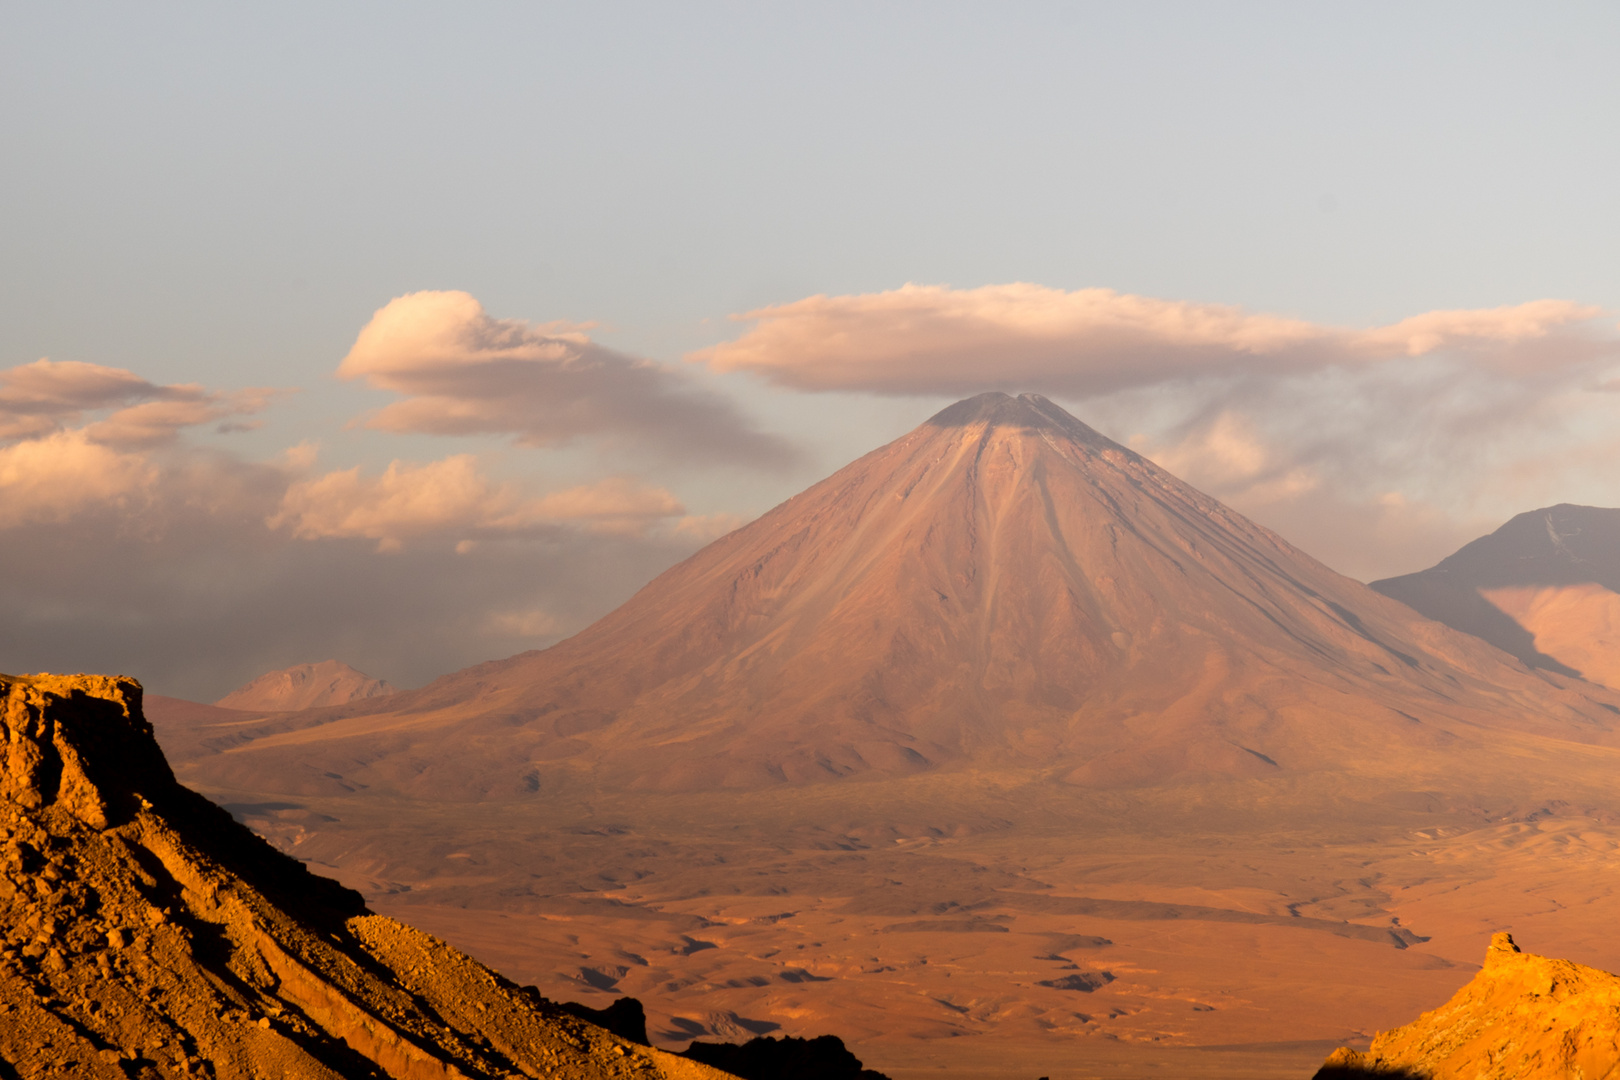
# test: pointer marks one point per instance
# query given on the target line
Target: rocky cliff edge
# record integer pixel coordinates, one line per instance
(147, 934)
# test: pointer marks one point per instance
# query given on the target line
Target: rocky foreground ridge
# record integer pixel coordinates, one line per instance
(146, 934)
(1523, 1017)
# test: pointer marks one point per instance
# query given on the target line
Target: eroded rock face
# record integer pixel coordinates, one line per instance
(146, 933)
(1523, 1017)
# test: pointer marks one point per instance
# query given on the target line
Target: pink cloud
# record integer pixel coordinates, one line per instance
(938, 340)
(57, 387)
(452, 497)
(52, 479)
(46, 396)
(462, 372)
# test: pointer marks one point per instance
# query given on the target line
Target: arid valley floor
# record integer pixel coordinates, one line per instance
(927, 950)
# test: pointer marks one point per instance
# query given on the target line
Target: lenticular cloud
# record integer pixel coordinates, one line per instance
(462, 372)
(935, 339)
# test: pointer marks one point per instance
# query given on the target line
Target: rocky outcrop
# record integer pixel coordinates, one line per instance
(1523, 1017)
(146, 934)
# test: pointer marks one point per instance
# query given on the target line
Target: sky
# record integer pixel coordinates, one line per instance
(415, 335)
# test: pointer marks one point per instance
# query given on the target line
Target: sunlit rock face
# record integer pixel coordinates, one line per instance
(1523, 1017)
(147, 934)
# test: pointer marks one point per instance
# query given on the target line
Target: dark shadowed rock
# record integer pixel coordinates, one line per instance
(822, 1058)
(625, 1017)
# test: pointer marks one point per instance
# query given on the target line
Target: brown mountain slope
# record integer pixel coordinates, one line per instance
(1544, 587)
(1522, 1017)
(146, 934)
(1002, 587)
(305, 686)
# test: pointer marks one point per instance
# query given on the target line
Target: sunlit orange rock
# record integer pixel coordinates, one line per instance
(147, 934)
(1523, 1017)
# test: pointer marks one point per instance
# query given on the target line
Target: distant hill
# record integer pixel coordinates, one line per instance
(305, 686)
(147, 934)
(1545, 587)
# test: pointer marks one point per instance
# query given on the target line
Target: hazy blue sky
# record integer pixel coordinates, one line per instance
(225, 194)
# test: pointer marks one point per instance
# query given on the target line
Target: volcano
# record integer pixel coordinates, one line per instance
(1004, 587)
(1000, 731)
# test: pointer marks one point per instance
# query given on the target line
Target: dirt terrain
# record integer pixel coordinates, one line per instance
(146, 934)
(1000, 752)
(1029, 933)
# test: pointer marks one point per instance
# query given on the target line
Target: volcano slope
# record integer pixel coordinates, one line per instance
(999, 731)
(1544, 587)
(146, 934)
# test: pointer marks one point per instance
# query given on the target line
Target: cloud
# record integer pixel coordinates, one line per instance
(532, 623)
(68, 387)
(1379, 470)
(1373, 448)
(705, 528)
(58, 477)
(47, 396)
(213, 598)
(453, 497)
(463, 373)
(127, 547)
(928, 339)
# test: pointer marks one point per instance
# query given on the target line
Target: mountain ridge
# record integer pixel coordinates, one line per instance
(1001, 585)
(1501, 586)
